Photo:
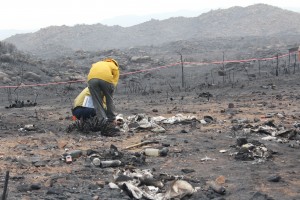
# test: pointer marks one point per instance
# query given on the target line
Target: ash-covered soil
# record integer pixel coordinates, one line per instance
(224, 144)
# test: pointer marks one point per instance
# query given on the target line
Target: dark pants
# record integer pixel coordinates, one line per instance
(83, 112)
(98, 87)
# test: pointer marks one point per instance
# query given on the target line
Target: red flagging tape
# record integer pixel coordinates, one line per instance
(151, 69)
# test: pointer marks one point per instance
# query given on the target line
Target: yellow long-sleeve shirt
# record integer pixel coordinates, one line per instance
(107, 70)
(80, 98)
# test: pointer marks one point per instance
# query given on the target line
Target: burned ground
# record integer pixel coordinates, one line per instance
(207, 149)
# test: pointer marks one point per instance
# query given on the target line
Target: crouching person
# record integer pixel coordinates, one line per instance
(83, 107)
(102, 79)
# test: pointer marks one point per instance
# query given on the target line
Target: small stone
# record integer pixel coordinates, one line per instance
(166, 144)
(187, 171)
(30, 127)
(274, 178)
(256, 119)
(164, 151)
(62, 144)
(54, 191)
(100, 183)
(230, 105)
(40, 163)
(220, 180)
(36, 186)
(183, 131)
(56, 163)
(208, 119)
(23, 188)
(241, 141)
(93, 187)
(96, 198)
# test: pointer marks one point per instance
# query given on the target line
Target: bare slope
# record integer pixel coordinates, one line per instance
(256, 20)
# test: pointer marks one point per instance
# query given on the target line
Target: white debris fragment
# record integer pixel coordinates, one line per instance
(202, 121)
(179, 189)
(113, 186)
(158, 118)
(223, 151)
(269, 138)
(207, 158)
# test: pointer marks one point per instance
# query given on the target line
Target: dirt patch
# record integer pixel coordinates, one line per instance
(199, 152)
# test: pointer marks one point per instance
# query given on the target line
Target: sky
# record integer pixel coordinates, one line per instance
(27, 15)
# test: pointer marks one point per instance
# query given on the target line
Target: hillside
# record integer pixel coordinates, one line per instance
(256, 20)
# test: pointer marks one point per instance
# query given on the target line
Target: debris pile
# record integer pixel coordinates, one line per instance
(139, 184)
(132, 123)
(251, 150)
(111, 157)
(154, 124)
(28, 127)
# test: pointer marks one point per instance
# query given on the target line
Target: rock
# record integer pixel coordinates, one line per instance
(56, 79)
(62, 144)
(216, 187)
(164, 151)
(274, 178)
(183, 131)
(208, 119)
(269, 138)
(220, 180)
(6, 80)
(55, 162)
(140, 59)
(260, 196)
(202, 121)
(230, 105)
(187, 171)
(241, 141)
(30, 127)
(93, 187)
(23, 188)
(42, 163)
(158, 129)
(35, 186)
(32, 76)
(54, 191)
(101, 184)
(113, 186)
(84, 197)
(35, 159)
(165, 144)
(96, 198)
(2, 75)
(256, 119)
